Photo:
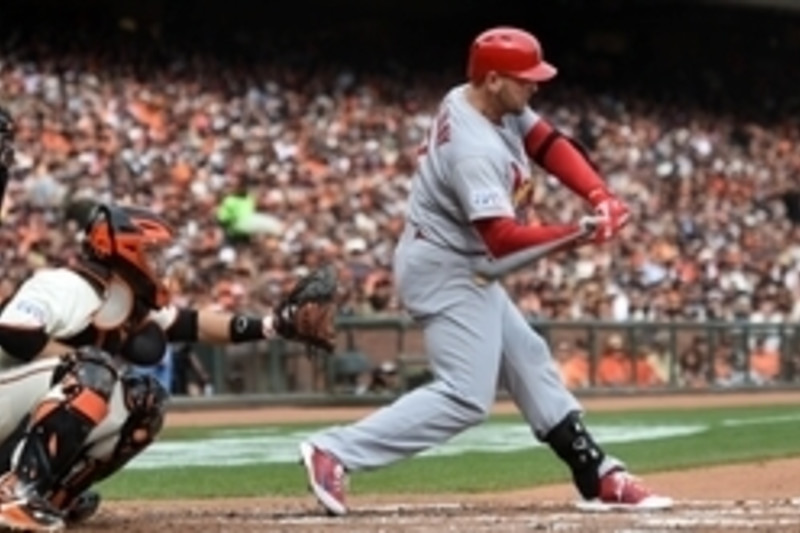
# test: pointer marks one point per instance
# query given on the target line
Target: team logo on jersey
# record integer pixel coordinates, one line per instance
(33, 311)
(486, 198)
(522, 187)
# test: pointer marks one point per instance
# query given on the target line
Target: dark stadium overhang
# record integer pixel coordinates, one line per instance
(792, 5)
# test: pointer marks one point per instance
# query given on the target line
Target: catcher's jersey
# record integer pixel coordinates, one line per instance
(469, 169)
(67, 306)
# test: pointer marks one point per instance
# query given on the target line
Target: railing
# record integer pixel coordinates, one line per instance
(690, 354)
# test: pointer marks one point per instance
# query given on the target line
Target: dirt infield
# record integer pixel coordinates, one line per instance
(763, 496)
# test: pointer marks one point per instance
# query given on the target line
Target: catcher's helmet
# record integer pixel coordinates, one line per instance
(132, 243)
(508, 51)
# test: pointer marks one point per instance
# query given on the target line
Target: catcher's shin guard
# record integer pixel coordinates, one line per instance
(60, 423)
(145, 400)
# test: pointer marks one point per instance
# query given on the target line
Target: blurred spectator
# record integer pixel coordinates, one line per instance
(618, 367)
(765, 362)
(352, 372)
(238, 214)
(658, 358)
(693, 364)
(614, 364)
(384, 379)
(725, 365)
(573, 365)
(189, 375)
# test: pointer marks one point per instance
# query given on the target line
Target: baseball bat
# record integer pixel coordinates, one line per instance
(487, 270)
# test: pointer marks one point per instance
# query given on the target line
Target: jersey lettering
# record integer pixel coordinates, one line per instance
(522, 187)
(438, 133)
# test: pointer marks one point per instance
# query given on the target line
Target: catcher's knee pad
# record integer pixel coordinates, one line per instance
(145, 400)
(59, 424)
(575, 446)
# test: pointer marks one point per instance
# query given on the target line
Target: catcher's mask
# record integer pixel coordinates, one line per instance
(132, 242)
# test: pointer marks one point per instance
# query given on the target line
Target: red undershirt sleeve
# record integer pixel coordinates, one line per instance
(562, 158)
(503, 235)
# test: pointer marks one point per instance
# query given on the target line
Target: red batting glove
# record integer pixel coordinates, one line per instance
(612, 211)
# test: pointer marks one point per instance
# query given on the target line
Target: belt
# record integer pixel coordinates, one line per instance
(419, 235)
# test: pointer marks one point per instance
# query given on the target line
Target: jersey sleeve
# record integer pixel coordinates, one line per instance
(31, 307)
(53, 301)
(479, 185)
(526, 121)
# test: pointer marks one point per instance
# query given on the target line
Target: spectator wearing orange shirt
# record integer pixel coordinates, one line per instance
(619, 368)
(573, 364)
(765, 362)
(613, 368)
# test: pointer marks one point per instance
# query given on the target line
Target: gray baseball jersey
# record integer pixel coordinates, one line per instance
(470, 169)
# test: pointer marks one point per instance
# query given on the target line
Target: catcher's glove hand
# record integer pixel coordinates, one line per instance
(308, 312)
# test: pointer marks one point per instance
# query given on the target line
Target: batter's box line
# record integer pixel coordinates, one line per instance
(254, 513)
(560, 506)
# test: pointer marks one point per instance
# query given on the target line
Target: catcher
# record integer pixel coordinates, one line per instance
(73, 412)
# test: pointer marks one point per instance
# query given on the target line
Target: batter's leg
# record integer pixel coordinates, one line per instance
(530, 374)
(463, 345)
(459, 397)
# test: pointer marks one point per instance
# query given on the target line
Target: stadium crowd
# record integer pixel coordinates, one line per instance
(267, 170)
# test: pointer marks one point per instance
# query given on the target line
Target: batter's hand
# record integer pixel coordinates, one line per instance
(590, 224)
(612, 211)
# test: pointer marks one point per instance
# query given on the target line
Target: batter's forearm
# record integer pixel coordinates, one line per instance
(563, 158)
(504, 236)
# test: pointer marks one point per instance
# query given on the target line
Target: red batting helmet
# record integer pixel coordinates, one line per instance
(508, 51)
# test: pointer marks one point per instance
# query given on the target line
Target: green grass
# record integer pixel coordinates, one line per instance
(477, 472)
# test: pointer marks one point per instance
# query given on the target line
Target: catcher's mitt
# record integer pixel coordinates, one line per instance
(308, 312)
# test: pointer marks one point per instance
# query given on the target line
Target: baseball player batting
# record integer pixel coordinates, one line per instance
(473, 174)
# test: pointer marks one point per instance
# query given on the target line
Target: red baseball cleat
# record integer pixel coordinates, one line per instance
(621, 491)
(327, 478)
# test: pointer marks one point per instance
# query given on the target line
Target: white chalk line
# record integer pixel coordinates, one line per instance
(687, 514)
(546, 516)
(762, 420)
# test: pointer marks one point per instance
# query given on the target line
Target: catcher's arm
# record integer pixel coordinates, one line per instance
(305, 315)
